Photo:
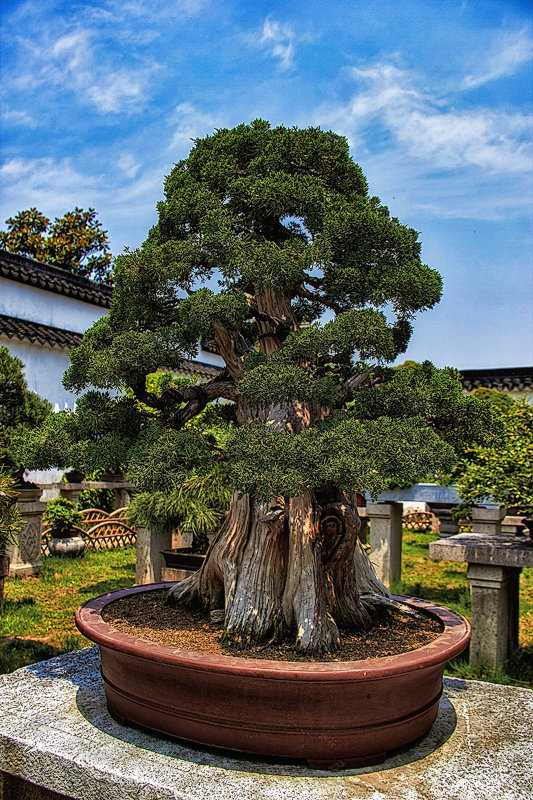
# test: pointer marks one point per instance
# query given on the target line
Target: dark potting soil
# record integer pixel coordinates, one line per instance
(147, 617)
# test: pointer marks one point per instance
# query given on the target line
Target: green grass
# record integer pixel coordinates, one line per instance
(38, 619)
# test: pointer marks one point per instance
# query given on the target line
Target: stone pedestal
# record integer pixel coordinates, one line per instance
(149, 561)
(25, 555)
(494, 592)
(488, 520)
(58, 739)
(447, 525)
(494, 565)
(71, 491)
(386, 540)
(120, 487)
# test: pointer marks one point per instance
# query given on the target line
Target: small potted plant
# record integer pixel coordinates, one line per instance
(10, 525)
(66, 537)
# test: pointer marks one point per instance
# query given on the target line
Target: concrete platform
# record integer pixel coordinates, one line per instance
(55, 732)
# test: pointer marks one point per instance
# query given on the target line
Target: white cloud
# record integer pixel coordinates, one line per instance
(76, 60)
(279, 40)
(129, 166)
(16, 117)
(189, 123)
(511, 53)
(45, 183)
(118, 91)
(427, 129)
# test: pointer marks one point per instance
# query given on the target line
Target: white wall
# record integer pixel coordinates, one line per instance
(48, 308)
(43, 369)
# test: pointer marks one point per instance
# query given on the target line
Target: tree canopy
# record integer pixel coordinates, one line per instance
(502, 473)
(269, 243)
(20, 410)
(263, 231)
(75, 242)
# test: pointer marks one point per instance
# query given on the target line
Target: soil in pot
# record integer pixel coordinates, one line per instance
(147, 617)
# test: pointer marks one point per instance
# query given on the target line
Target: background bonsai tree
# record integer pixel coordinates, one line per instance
(20, 411)
(62, 516)
(10, 525)
(268, 243)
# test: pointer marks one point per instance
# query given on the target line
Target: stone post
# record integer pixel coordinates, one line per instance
(386, 540)
(447, 525)
(71, 491)
(149, 561)
(488, 520)
(25, 555)
(122, 497)
(494, 591)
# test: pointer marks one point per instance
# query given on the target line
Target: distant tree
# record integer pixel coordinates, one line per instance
(502, 473)
(75, 242)
(20, 410)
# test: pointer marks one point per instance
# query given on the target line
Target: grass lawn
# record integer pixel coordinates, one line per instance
(38, 620)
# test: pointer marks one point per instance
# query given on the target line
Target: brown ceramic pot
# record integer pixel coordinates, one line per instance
(333, 714)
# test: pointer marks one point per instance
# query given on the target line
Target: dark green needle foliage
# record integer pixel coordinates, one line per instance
(269, 242)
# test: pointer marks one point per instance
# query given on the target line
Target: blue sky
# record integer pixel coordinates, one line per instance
(99, 99)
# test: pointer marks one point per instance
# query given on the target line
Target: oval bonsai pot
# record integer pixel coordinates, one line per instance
(333, 714)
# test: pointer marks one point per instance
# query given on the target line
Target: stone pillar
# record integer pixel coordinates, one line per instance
(447, 525)
(488, 520)
(494, 591)
(25, 555)
(386, 540)
(122, 497)
(71, 491)
(149, 561)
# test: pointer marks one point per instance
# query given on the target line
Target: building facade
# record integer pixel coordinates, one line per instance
(44, 311)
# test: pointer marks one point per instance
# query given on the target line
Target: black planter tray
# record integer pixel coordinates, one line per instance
(183, 558)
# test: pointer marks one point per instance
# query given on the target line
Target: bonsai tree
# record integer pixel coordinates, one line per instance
(269, 244)
(20, 411)
(62, 515)
(10, 524)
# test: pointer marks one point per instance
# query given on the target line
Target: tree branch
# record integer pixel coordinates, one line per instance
(313, 281)
(232, 346)
(349, 387)
(318, 298)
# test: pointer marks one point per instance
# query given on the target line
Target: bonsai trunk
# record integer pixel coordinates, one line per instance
(288, 563)
(293, 564)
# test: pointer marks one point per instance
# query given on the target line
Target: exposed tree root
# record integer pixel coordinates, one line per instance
(288, 565)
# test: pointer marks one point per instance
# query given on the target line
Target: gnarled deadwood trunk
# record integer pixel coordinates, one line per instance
(286, 565)
(295, 563)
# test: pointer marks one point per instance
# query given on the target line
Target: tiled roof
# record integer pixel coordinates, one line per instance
(53, 279)
(21, 329)
(502, 379)
(193, 368)
(35, 332)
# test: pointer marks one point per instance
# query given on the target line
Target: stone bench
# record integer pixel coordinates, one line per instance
(494, 565)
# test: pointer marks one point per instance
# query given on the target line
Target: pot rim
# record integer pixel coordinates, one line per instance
(452, 641)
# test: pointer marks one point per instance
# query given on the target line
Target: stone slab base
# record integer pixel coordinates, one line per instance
(56, 733)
